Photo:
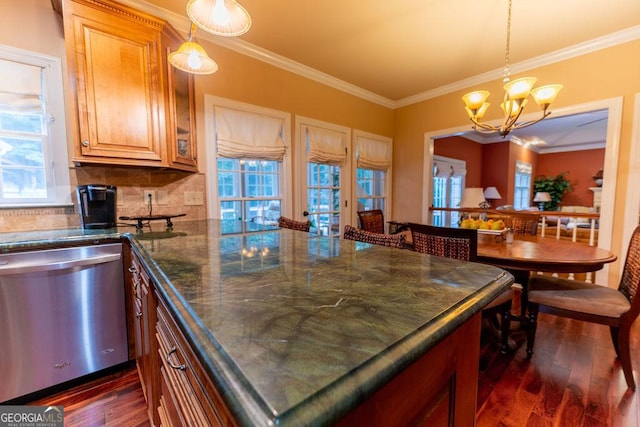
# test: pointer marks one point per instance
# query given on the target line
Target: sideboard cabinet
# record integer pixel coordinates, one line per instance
(127, 97)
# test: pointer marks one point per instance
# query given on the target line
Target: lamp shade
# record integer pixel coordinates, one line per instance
(542, 196)
(473, 197)
(220, 17)
(491, 193)
(192, 58)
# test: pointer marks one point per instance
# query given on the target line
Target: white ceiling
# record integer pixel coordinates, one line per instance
(403, 51)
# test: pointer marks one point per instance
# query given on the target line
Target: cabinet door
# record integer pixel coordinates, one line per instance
(115, 55)
(181, 131)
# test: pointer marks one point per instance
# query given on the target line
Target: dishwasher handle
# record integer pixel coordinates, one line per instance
(59, 265)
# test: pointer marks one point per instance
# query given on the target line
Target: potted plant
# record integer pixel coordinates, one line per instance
(556, 186)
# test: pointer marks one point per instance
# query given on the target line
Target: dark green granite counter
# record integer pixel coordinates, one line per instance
(298, 330)
(33, 240)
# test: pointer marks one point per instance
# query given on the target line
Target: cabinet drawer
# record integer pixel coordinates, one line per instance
(182, 378)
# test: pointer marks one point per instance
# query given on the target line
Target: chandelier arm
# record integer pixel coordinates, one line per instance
(484, 126)
(532, 122)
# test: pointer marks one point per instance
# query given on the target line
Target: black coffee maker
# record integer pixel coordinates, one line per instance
(97, 205)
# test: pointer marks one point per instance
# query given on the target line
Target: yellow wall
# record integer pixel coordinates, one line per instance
(33, 25)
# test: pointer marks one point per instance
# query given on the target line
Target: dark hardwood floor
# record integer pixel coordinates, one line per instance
(573, 379)
(115, 400)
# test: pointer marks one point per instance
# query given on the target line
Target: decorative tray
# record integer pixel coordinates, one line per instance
(493, 232)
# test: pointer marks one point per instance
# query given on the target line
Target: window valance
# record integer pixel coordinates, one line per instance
(523, 168)
(443, 168)
(245, 135)
(325, 146)
(20, 87)
(373, 153)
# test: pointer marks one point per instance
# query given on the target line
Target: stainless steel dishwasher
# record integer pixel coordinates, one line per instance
(62, 316)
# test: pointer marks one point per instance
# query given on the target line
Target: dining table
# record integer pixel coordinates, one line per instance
(546, 254)
(528, 254)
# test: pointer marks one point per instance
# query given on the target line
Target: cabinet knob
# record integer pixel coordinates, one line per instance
(85, 143)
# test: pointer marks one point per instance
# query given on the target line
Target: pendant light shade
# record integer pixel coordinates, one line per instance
(220, 17)
(192, 58)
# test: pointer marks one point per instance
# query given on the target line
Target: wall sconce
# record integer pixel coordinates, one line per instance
(542, 197)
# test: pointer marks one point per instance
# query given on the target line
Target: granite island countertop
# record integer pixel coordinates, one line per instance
(298, 330)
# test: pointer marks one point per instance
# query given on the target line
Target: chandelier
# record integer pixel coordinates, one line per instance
(514, 101)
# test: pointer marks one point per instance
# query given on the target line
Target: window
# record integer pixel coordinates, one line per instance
(522, 185)
(33, 145)
(448, 186)
(370, 189)
(249, 191)
(250, 163)
(373, 173)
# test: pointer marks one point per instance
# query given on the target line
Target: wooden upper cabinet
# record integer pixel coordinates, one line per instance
(125, 113)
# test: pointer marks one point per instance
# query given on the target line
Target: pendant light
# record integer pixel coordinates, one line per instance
(192, 58)
(220, 17)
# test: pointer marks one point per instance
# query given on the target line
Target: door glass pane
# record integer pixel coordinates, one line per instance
(370, 189)
(323, 199)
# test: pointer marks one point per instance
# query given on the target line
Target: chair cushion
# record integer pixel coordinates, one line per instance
(577, 296)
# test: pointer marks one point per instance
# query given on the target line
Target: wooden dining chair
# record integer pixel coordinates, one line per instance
(372, 220)
(284, 222)
(616, 308)
(389, 240)
(522, 223)
(462, 244)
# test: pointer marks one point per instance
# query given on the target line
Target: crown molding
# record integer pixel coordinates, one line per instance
(613, 39)
(182, 23)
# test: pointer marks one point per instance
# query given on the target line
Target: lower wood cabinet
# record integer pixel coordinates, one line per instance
(187, 396)
(143, 317)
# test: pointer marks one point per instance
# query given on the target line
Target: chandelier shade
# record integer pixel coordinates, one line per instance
(192, 58)
(220, 17)
(514, 100)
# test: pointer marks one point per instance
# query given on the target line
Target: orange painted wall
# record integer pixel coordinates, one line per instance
(495, 172)
(581, 165)
(460, 148)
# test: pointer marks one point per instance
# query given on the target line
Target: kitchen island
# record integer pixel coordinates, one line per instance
(292, 329)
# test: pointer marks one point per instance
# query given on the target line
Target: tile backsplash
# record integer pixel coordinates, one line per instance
(174, 192)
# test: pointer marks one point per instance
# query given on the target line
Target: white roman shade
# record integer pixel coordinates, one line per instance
(523, 168)
(325, 146)
(245, 135)
(445, 167)
(20, 86)
(373, 153)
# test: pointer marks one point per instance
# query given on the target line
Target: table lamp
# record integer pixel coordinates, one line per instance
(473, 197)
(491, 193)
(541, 197)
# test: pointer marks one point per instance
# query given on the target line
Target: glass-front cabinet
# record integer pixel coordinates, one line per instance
(181, 131)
